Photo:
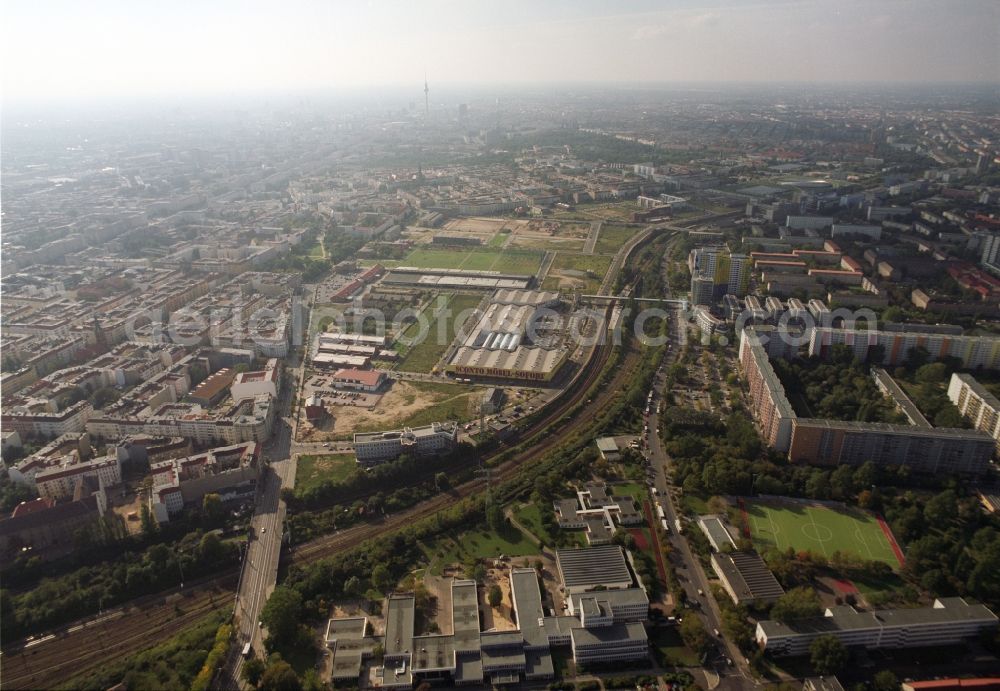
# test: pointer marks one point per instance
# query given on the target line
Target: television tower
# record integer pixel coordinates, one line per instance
(427, 103)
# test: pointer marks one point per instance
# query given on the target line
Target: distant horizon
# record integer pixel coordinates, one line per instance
(62, 52)
(456, 92)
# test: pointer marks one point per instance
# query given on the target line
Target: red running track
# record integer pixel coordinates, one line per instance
(892, 540)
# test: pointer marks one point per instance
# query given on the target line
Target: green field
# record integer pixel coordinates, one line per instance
(478, 544)
(612, 238)
(529, 515)
(507, 261)
(312, 469)
(422, 356)
(820, 530)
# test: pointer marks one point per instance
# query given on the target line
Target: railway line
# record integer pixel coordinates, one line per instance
(74, 650)
(81, 647)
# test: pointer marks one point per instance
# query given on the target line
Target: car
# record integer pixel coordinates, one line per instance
(716, 633)
(264, 530)
(701, 593)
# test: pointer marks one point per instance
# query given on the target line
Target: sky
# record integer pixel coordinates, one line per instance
(62, 50)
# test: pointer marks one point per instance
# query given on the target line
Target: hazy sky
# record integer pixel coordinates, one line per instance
(67, 50)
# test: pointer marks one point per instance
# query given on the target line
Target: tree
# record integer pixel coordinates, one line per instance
(885, 681)
(797, 603)
(495, 596)
(828, 655)
(279, 676)
(252, 671)
(210, 549)
(381, 578)
(352, 586)
(211, 507)
(147, 522)
(442, 482)
(281, 614)
(695, 635)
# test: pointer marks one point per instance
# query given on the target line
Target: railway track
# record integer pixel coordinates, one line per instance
(75, 649)
(82, 647)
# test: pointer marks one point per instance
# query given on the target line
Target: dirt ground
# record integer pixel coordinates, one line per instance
(501, 618)
(480, 226)
(398, 403)
(129, 504)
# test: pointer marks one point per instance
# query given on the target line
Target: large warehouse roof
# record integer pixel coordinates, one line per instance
(586, 568)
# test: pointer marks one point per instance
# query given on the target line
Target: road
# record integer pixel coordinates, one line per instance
(684, 561)
(259, 572)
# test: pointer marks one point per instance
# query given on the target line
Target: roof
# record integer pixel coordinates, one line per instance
(593, 566)
(366, 377)
(846, 618)
(607, 444)
(747, 575)
(608, 634)
(399, 617)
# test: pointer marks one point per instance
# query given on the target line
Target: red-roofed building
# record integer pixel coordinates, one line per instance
(358, 379)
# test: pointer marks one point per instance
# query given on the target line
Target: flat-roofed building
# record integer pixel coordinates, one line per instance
(977, 404)
(608, 644)
(948, 622)
(584, 569)
(376, 447)
(746, 578)
(716, 532)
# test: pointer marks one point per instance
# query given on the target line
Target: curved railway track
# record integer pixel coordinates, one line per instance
(80, 647)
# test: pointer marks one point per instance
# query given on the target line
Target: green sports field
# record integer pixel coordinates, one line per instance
(820, 530)
(507, 261)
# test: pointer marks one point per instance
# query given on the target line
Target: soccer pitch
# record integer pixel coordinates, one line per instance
(820, 530)
(520, 262)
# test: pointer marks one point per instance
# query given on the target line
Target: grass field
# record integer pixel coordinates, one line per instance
(529, 515)
(423, 356)
(313, 469)
(597, 265)
(820, 530)
(479, 544)
(612, 238)
(520, 262)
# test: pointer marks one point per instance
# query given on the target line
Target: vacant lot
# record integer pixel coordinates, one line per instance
(819, 529)
(443, 326)
(572, 271)
(612, 238)
(406, 403)
(312, 469)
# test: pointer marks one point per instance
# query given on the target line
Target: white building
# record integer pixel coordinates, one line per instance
(250, 384)
(376, 447)
(976, 403)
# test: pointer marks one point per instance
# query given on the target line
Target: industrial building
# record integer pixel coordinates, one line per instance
(519, 336)
(455, 279)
